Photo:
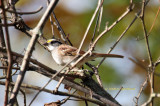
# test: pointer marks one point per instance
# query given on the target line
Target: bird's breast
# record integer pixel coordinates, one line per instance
(57, 58)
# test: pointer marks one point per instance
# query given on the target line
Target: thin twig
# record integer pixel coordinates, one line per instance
(50, 18)
(151, 66)
(141, 89)
(24, 96)
(8, 77)
(85, 100)
(98, 77)
(100, 19)
(2, 56)
(96, 25)
(89, 25)
(65, 100)
(146, 37)
(152, 96)
(26, 13)
(63, 35)
(154, 22)
(3, 77)
(119, 92)
(157, 62)
(60, 81)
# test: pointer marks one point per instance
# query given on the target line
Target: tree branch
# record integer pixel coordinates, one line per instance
(9, 55)
(36, 32)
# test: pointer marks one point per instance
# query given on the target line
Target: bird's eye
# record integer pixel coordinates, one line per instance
(56, 42)
(52, 42)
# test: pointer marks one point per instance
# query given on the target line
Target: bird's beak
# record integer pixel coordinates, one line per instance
(45, 44)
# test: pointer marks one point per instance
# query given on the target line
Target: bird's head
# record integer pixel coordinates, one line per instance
(52, 44)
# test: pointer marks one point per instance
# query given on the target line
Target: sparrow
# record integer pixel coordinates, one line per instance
(64, 54)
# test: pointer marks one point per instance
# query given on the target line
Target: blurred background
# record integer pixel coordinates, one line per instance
(74, 16)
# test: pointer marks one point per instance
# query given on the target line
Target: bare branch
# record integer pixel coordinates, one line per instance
(65, 100)
(140, 92)
(8, 77)
(153, 95)
(57, 93)
(98, 22)
(26, 13)
(151, 66)
(118, 92)
(90, 23)
(50, 19)
(63, 35)
(154, 22)
(36, 33)
(24, 96)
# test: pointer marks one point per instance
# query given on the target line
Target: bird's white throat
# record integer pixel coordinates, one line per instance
(51, 48)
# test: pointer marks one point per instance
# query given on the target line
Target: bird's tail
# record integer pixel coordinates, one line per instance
(106, 55)
(96, 55)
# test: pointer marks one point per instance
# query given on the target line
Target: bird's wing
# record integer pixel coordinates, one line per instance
(67, 50)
